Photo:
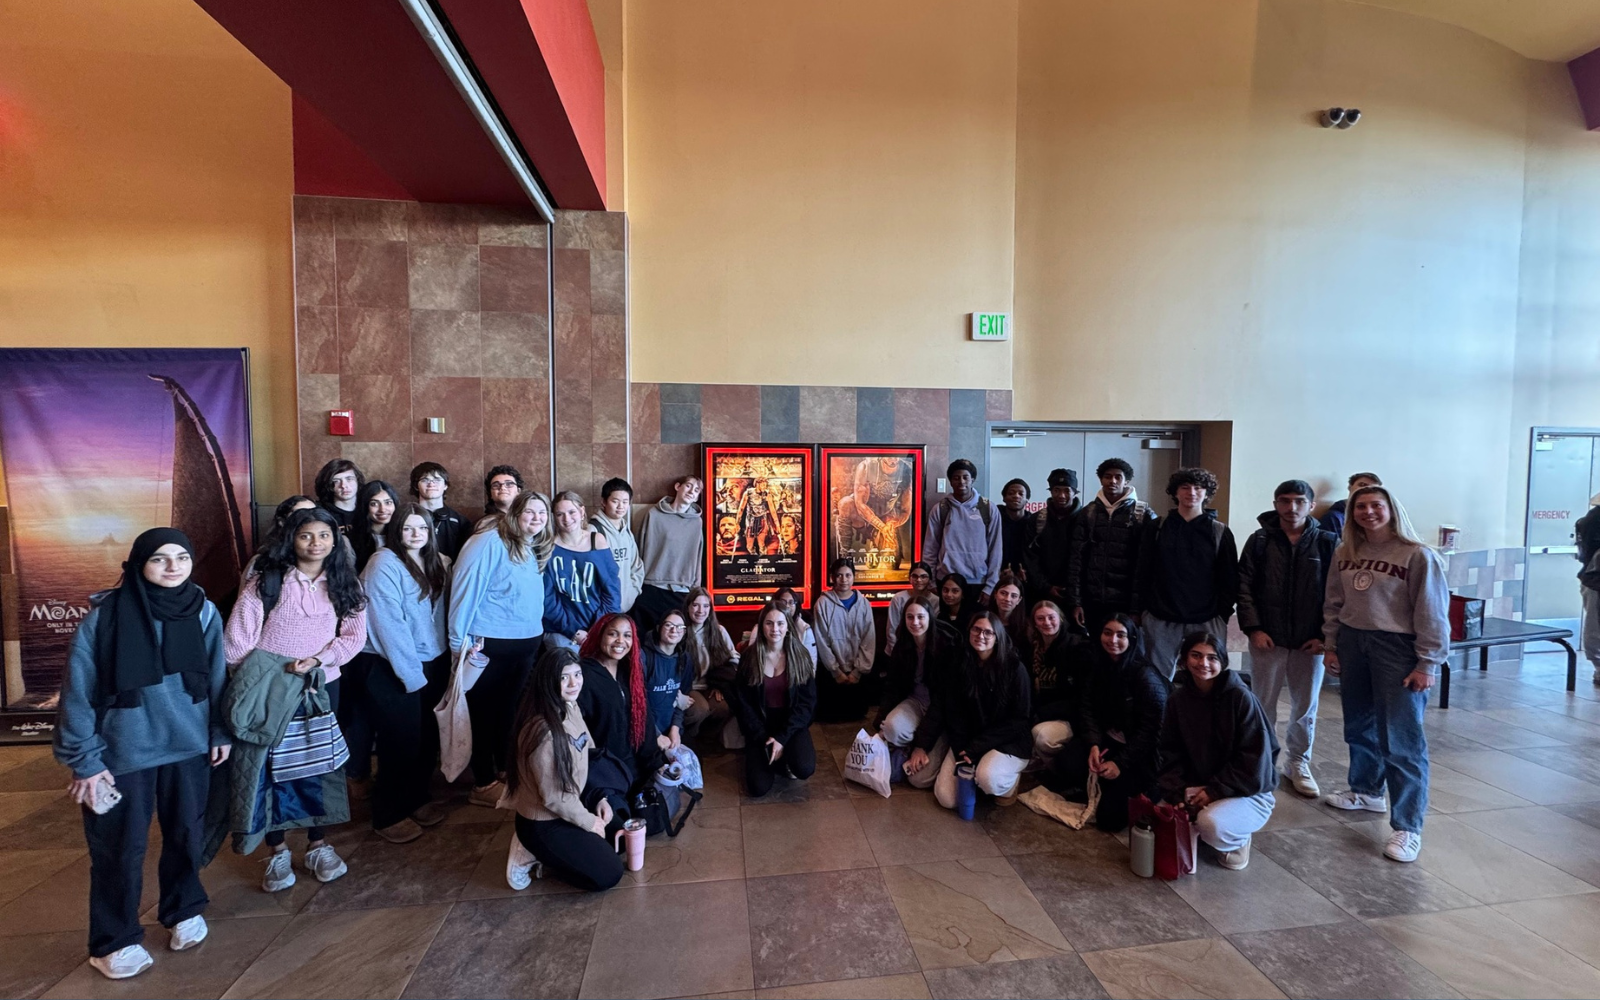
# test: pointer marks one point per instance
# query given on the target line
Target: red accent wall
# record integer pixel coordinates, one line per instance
(327, 163)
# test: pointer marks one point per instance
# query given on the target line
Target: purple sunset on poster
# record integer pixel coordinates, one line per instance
(96, 446)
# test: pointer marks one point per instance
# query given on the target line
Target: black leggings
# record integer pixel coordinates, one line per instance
(799, 756)
(492, 704)
(357, 718)
(1071, 769)
(573, 855)
(405, 760)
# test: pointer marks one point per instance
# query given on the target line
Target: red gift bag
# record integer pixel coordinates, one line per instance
(1177, 841)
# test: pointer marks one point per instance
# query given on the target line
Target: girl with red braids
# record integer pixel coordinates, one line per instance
(628, 749)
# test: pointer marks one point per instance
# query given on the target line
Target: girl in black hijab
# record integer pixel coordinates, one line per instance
(140, 717)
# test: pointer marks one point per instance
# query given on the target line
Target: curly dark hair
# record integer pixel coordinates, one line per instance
(1114, 463)
(338, 568)
(1194, 476)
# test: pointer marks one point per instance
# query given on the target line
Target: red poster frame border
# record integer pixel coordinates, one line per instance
(919, 456)
(806, 586)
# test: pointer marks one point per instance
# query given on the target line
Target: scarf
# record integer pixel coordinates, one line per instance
(128, 655)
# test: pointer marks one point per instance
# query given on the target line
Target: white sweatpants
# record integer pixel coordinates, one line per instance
(899, 728)
(1227, 824)
(997, 774)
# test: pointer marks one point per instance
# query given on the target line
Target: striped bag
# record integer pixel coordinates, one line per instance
(311, 745)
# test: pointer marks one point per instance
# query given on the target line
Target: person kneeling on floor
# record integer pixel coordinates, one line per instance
(1216, 751)
(986, 707)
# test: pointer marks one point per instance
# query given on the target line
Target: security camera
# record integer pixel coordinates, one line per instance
(1351, 116)
(1332, 117)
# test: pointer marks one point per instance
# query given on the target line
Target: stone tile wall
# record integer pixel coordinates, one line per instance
(671, 420)
(1495, 576)
(406, 311)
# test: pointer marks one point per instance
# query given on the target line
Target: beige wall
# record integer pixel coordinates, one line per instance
(819, 193)
(145, 184)
(1191, 245)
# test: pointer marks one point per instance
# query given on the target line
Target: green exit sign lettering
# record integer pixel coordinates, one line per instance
(991, 326)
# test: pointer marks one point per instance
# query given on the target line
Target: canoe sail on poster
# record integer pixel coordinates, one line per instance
(95, 447)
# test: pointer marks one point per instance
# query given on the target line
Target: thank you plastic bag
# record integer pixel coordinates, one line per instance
(868, 763)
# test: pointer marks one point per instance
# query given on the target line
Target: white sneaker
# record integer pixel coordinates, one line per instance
(280, 872)
(521, 865)
(123, 962)
(487, 795)
(1403, 846)
(325, 863)
(188, 933)
(1237, 859)
(1351, 800)
(1302, 781)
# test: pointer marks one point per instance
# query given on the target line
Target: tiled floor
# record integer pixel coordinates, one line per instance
(829, 891)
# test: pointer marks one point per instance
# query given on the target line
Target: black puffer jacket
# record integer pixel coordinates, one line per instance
(1105, 553)
(1217, 741)
(1281, 587)
(1049, 556)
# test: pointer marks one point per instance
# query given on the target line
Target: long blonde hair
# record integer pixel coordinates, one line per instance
(1355, 536)
(797, 662)
(509, 526)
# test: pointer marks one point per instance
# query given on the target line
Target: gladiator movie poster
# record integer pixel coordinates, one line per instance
(96, 446)
(760, 524)
(872, 506)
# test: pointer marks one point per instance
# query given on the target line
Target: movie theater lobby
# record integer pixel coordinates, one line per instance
(791, 252)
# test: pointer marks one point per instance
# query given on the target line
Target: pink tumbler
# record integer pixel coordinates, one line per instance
(634, 832)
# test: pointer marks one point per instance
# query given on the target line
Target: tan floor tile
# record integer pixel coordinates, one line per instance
(1485, 954)
(1261, 897)
(488, 879)
(708, 848)
(16, 805)
(911, 827)
(1566, 921)
(1487, 869)
(803, 837)
(22, 870)
(37, 962)
(666, 954)
(1555, 839)
(1520, 777)
(483, 948)
(971, 913)
(822, 926)
(1450, 791)
(1293, 812)
(203, 971)
(1033, 979)
(354, 953)
(907, 986)
(1206, 968)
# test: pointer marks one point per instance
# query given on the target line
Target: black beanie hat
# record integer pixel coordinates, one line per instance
(1063, 477)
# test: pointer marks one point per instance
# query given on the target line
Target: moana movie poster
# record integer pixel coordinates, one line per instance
(95, 447)
(759, 531)
(872, 506)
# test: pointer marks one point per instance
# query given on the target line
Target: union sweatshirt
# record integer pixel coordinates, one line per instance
(672, 547)
(1394, 586)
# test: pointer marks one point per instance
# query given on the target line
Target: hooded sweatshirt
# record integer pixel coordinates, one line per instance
(672, 547)
(666, 676)
(625, 549)
(1217, 741)
(846, 637)
(1394, 586)
(959, 542)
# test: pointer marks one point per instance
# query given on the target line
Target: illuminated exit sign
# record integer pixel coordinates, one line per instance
(991, 326)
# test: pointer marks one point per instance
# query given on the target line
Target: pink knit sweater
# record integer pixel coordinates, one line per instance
(301, 625)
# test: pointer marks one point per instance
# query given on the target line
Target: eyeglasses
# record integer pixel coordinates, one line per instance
(672, 626)
(983, 633)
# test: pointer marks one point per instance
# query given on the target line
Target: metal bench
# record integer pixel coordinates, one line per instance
(1503, 632)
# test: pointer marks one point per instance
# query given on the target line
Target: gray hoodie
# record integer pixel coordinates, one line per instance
(846, 637)
(625, 548)
(672, 546)
(1394, 586)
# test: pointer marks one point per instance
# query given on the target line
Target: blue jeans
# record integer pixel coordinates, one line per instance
(1383, 722)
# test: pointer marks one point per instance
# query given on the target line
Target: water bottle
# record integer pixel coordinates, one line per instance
(1142, 850)
(967, 791)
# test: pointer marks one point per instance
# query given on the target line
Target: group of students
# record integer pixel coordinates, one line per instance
(594, 652)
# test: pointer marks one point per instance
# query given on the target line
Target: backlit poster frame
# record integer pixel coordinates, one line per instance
(842, 476)
(767, 492)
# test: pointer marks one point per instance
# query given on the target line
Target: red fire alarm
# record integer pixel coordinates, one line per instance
(341, 423)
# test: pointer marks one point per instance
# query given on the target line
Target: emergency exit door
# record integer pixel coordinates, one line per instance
(1563, 473)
